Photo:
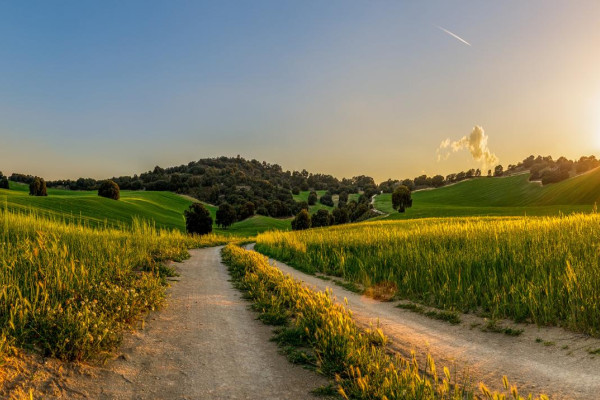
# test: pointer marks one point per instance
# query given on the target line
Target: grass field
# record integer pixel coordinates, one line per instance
(512, 195)
(68, 290)
(163, 209)
(544, 270)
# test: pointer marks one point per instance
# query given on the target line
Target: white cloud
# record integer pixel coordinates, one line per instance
(476, 143)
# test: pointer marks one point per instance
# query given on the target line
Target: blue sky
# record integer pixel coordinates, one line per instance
(342, 87)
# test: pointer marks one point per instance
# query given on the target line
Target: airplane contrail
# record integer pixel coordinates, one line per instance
(454, 35)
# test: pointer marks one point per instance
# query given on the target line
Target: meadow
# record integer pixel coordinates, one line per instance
(511, 195)
(544, 270)
(69, 290)
(164, 210)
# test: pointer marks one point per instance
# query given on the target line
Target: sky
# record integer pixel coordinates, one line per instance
(380, 88)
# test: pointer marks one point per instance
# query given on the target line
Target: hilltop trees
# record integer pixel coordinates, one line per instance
(246, 210)
(226, 215)
(38, 187)
(301, 221)
(3, 181)
(401, 198)
(109, 189)
(198, 219)
(499, 170)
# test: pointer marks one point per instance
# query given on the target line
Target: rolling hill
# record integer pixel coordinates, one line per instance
(511, 195)
(164, 208)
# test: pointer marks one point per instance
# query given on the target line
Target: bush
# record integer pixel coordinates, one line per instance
(38, 187)
(109, 189)
(401, 198)
(3, 182)
(321, 218)
(226, 215)
(554, 176)
(312, 198)
(198, 219)
(326, 199)
(301, 221)
(340, 216)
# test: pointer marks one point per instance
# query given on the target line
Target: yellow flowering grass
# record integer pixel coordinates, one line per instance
(544, 270)
(68, 290)
(358, 360)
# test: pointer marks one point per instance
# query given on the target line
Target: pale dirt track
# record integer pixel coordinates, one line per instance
(536, 368)
(206, 344)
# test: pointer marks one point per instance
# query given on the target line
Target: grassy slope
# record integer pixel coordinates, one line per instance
(164, 208)
(513, 195)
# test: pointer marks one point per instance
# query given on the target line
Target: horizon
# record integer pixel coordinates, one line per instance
(343, 88)
(400, 178)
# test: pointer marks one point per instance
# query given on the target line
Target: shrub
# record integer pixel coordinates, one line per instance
(109, 189)
(226, 215)
(321, 218)
(3, 181)
(401, 198)
(301, 221)
(198, 219)
(326, 199)
(312, 198)
(38, 187)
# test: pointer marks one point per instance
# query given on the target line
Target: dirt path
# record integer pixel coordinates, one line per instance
(542, 366)
(206, 344)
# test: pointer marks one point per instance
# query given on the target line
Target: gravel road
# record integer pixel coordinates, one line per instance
(206, 344)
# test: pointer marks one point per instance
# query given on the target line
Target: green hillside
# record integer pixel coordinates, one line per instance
(512, 195)
(164, 208)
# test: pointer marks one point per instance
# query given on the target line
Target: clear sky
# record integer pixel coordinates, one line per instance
(103, 88)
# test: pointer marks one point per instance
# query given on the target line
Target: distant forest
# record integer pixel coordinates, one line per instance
(258, 187)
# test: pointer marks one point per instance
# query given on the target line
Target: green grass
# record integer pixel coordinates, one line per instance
(303, 196)
(163, 209)
(512, 195)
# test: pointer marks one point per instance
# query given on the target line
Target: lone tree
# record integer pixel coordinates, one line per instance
(401, 198)
(109, 189)
(312, 198)
(301, 221)
(3, 181)
(226, 215)
(38, 187)
(198, 219)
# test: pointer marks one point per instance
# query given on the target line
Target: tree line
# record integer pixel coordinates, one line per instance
(543, 169)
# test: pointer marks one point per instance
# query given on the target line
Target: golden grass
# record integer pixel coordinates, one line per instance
(544, 270)
(359, 360)
(68, 291)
